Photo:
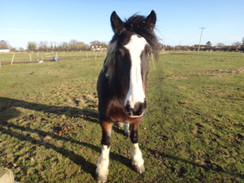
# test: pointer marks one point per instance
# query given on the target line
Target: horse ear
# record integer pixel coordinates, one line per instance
(151, 20)
(117, 23)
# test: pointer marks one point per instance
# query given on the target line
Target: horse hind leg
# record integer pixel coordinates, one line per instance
(136, 154)
(126, 127)
(103, 160)
(119, 124)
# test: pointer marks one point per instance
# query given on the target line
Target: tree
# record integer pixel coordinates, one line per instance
(3, 45)
(31, 46)
(43, 46)
(236, 43)
(98, 44)
(242, 46)
(209, 44)
(13, 50)
(21, 49)
(82, 46)
(75, 45)
(220, 45)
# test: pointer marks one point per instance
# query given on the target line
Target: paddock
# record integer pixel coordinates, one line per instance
(49, 120)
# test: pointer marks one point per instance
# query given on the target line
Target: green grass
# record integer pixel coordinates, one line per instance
(192, 132)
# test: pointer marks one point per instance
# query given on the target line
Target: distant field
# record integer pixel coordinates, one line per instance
(193, 130)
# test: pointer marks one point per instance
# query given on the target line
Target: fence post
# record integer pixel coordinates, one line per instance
(12, 59)
(30, 57)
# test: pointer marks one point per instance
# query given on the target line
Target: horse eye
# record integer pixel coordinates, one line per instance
(148, 51)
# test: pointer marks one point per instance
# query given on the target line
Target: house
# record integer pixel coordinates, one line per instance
(4, 50)
(98, 48)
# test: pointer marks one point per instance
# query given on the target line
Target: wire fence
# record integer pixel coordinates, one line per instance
(40, 57)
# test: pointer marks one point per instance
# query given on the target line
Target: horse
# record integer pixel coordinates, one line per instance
(121, 85)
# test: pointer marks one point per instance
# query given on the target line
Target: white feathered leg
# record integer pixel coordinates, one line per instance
(102, 165)
(137, 160)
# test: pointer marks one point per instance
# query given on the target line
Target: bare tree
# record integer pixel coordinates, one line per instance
(220, 45)
(236, 43)
(21, 49)
(242, 45)
(43, 46)
(3, 44)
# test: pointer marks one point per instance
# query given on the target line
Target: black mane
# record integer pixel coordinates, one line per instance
(137, 24)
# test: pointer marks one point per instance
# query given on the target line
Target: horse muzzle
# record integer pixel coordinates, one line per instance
(135, 111)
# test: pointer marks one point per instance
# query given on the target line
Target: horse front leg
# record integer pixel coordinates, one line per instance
(136, 154)
(103, 160)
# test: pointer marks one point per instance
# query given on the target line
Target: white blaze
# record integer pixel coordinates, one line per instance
(136, 93)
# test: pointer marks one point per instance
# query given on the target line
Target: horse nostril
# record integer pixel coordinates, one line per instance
(127, 107)
(137, 110)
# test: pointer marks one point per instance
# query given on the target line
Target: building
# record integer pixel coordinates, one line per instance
(4, 50)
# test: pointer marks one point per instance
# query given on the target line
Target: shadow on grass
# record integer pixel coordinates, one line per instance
(212, 167)
(86, 114)
(7, 104)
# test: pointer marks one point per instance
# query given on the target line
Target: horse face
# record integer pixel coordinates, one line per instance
(132, 69)
(135, 101)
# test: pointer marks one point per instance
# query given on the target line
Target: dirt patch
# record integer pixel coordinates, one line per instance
(63, 128)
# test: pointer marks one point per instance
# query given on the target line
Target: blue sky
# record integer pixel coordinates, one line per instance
(178, 21)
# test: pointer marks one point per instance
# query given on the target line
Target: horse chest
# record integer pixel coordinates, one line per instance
(116, 113)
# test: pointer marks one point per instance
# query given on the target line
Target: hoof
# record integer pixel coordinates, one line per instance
(140, 169)
(101, 179)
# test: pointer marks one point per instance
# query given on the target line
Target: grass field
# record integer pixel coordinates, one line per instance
(193, 130)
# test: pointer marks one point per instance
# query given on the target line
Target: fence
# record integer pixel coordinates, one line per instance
(39, 57)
